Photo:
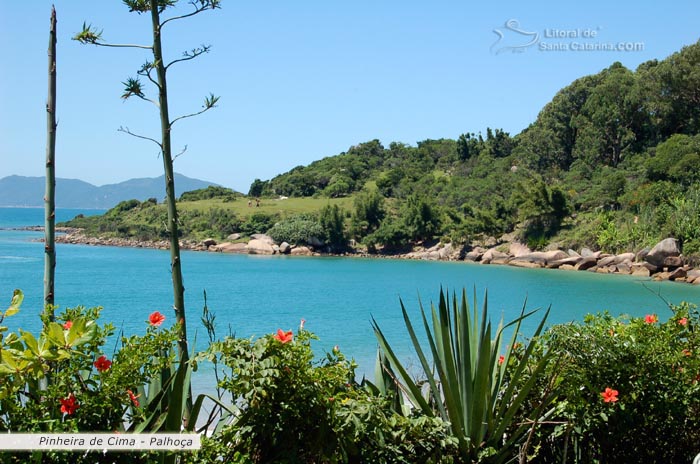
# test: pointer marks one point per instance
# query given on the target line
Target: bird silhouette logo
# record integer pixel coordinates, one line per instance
(511, 38)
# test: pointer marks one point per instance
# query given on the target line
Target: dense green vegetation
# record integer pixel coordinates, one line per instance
(610, 163)
(604, 390)
(607, 149)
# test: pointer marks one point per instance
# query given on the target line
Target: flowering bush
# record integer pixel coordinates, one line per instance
(293, 408)
(628, 390)
(62, 381)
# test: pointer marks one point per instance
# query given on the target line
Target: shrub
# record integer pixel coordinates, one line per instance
(299, 230)
(654, 416)
(293, 408)
(64, 381)
(212, 191)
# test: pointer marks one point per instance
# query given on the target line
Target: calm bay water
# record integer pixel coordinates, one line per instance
(255, 295)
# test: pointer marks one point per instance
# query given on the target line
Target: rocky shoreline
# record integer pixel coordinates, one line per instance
(662, 262)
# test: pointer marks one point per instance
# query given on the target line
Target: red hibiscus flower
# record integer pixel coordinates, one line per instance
(609, 395)
(68, 325)
(501, 359)
(69, 405)
(283, 336)
(102, 363)
(156, 319)
(683, 321)
(134, 398)
(651, 318)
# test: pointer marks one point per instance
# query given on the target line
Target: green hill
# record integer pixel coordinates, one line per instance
(612, 162)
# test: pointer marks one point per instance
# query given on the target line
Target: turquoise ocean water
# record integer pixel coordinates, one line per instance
(255, 295)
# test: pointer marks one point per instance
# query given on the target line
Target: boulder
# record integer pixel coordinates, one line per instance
(662, 250)
(447, 252)
(528, 264)
(474, 254)
(661, 276)
(623, 268)
(602, 270)
(694, 273)
(276, 248)
(554, 255)
(233, 237)
(263, 238)
(285, 248)
(588, 253)
(207, 242)
(641, 254)
(260, 247)
(640, 271)
(586, 263)
(571, 261)
(567, 267)
(572, 253)
(228, 247)
(543, 257)
(673, 261)
(492, 254)
(301, 251)
(679, 273)
(519, 249)
(616, 259)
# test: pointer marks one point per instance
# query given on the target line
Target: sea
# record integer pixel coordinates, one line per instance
(338, 297)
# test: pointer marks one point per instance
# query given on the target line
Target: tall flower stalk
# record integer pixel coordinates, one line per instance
(156, 72)
(49, 198)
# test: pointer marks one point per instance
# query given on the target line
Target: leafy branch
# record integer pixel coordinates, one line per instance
(191, 54)
(199, 6)
(209, 103)
(92, 36)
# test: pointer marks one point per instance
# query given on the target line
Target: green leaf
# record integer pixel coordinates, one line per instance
(55, 334)
(30, 342)
(17, 298)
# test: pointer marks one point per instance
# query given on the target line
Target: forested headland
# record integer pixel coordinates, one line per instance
(612, 162)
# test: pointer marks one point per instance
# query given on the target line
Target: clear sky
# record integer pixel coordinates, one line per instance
(303, 80)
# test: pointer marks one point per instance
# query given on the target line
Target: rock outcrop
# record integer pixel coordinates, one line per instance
(664, 249)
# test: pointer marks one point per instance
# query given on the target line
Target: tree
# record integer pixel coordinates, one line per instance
(608, 120)
(540, 208)
(420, 219)
(368, 213)
(332, 222)
(134, 88)
(49, 199)
(256, 188)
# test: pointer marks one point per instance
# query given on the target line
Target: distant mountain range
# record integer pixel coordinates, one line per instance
(72, 193)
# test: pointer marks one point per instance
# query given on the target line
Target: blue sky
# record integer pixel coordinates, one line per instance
(303, 80)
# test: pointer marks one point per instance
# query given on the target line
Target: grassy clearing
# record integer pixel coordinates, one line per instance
(284, 208)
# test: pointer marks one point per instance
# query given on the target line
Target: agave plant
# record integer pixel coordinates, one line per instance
(470, 384)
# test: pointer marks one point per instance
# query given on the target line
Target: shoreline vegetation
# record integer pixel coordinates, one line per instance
(662, 262)
(609, 168)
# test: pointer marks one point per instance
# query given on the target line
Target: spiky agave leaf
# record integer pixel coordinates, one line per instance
(469, 391)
